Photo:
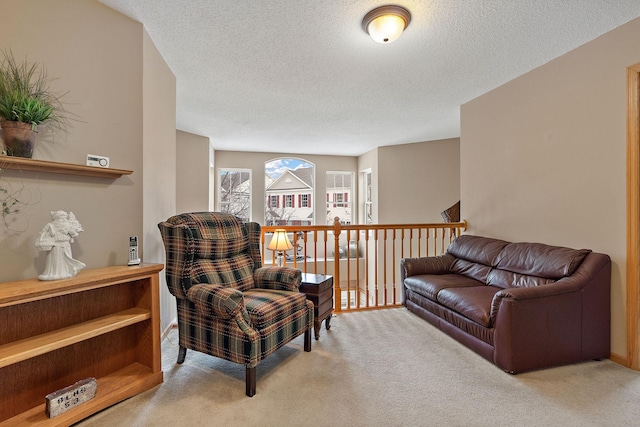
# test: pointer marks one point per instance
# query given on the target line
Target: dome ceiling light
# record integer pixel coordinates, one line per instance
(386, 23)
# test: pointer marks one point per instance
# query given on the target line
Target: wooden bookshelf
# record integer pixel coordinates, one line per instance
(23, 164)
(103, 323)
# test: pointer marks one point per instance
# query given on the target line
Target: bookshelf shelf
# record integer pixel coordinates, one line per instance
(103, 323)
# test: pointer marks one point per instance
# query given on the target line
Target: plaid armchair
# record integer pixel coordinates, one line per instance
(229, 306)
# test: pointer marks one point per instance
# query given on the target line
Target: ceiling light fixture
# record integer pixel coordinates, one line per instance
(386, 23)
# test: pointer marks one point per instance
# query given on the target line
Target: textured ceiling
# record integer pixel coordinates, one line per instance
(302, 77)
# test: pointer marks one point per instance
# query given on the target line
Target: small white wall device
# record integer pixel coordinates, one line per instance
(133, 251)
(99, 161)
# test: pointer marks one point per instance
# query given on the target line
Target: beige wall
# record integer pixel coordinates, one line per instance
(543, 157)
(192, 186)
(159, 164)
(123, 95)
(256, 161)
(418, 181)
(399, 172)
(96, 55)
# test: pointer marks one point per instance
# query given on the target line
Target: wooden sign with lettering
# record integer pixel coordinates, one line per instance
(67, 398)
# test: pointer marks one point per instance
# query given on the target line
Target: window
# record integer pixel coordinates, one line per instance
(234, 192)
(368, 201)
(339, 196)
(289, 187)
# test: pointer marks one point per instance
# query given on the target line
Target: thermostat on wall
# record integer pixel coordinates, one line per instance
(99, 161)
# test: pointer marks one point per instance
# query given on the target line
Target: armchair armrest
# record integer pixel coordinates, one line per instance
(225, 303)
(282, 278)
(426, 265)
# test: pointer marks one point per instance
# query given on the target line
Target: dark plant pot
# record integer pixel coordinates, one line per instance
(19, 139)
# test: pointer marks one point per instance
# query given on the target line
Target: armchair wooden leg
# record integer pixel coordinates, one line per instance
(307, 340)
(182, 353)
(251, 381)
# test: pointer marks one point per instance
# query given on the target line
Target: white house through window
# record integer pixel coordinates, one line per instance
(339, 197)
(234, 192)
(289, 187)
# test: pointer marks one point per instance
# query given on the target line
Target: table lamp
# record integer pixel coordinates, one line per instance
(280, 242)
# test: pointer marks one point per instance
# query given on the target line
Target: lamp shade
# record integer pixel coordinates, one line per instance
(386, 23)
(280, 241)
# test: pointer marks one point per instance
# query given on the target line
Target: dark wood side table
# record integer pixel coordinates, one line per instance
(319, 289)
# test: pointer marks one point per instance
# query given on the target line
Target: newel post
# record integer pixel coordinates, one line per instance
(337, 228)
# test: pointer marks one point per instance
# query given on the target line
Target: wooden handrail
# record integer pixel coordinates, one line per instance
(367, 275)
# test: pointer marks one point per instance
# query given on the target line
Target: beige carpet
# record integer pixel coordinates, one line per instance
(379, 368)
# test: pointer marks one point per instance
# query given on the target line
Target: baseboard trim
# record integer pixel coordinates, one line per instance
(172, 325)
(621, 360)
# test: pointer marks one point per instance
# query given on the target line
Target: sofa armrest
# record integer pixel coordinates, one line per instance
(426, 265)
(557, 323)
(215, 300)
(562, 286)
(593, 273)
(281, 278)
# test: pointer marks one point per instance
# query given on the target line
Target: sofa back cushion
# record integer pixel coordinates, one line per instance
(476, 249)
(474, 270)
(507, 279)
(506, 265)
(537, 259)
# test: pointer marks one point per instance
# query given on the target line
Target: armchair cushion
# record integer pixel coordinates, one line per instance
(268, 306)
(215, 236)
(235, 272)
(282, 278)
(215, 300)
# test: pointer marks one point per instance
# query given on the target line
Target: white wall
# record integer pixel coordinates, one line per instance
(543, 157)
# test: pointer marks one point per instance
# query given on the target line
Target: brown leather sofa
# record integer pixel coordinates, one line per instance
(522, 306)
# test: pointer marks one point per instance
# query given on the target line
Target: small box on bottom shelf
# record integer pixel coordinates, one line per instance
(67, 398)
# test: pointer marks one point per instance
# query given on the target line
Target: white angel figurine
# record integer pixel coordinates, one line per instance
(56, 237)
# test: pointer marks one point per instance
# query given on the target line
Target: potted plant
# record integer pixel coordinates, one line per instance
(26, 101)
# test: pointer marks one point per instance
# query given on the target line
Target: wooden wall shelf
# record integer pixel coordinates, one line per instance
(20, 163)
(103, 323)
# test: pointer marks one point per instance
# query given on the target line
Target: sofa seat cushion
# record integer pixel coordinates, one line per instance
(429, 285)
(268, 306)
(472, 302)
